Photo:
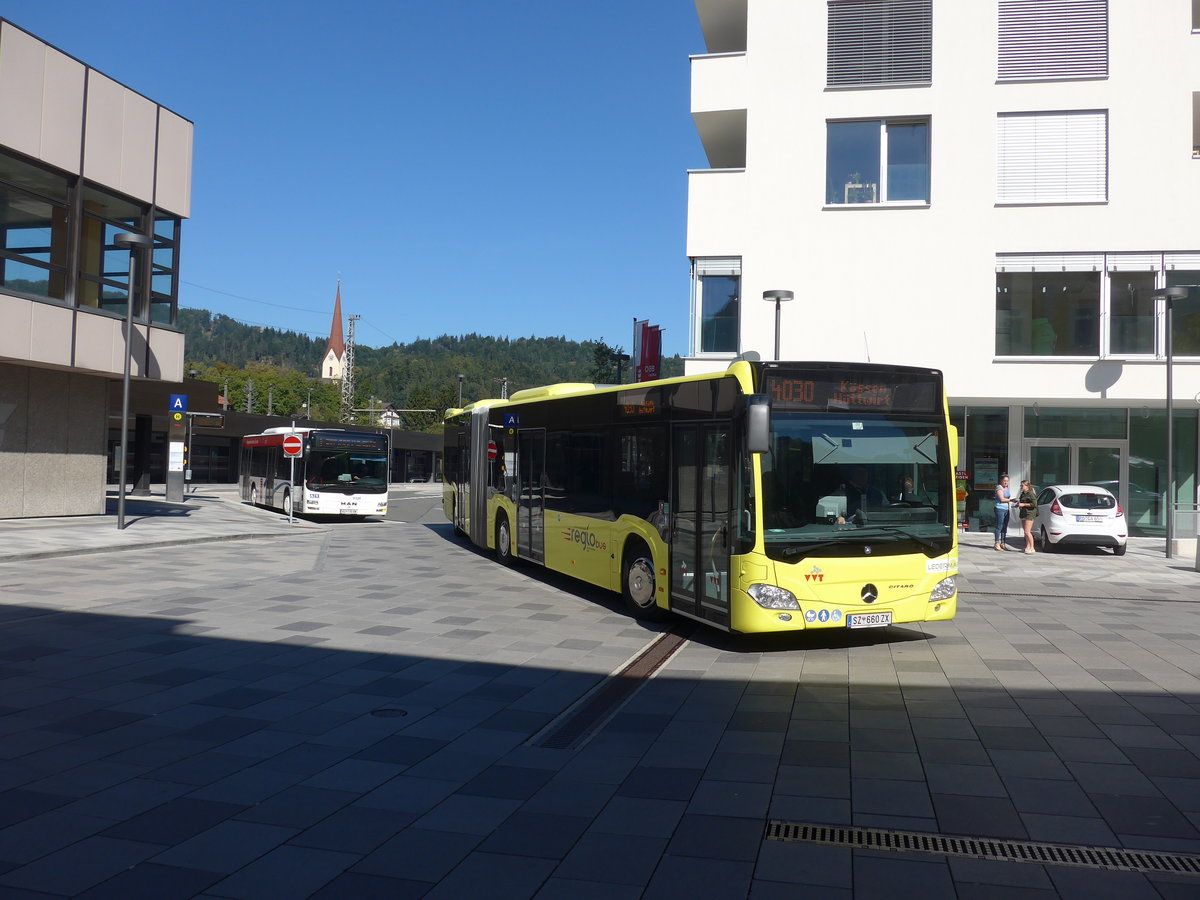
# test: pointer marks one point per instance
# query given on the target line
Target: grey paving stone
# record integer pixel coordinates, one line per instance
(354, 829)
(570, 889)
(285, 872)
(540, 835)
(358, 886)
(418, 855)
(1147, 816)
(80, 866)
(688, 876)
(225, 847)
(804, 864)
(506, 877)
(591, 859)
(152, 882)
(174, 821)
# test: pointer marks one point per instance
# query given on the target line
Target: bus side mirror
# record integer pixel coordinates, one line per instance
(758, 423)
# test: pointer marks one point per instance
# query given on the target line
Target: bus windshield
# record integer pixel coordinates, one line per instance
(347, 471)
(845, 480)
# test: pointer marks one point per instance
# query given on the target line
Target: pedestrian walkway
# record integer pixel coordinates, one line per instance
(350, 710)
(212, 513)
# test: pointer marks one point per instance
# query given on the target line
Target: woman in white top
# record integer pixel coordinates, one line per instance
(1003, 504)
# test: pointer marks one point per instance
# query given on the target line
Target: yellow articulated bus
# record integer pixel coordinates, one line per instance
(773, 496)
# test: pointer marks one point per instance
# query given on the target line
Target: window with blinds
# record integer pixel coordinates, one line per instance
(1053, 39)
(880, 42)
(1052, 157)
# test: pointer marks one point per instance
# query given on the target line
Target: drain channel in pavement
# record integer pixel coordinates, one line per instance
(575, 726)
(986, 848)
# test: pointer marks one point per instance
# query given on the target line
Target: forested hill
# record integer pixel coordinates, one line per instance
(422, 374)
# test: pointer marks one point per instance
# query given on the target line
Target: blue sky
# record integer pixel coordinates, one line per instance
(508, 167)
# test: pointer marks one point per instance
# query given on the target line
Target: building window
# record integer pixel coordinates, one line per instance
(164, 275)
(877, 161)
(1196, 123)
(879, 42)
(34, 230)
(1095, 304)
(1048, 314)
(716, 305)
(1131, 313)
(1185, 314)
(1053, 39)
(1052, 157)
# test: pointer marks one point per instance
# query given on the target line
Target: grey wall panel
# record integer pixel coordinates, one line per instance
(62, 119)
(15, 336)
(138, 146)
(50, 334)
(53, 427)
(22, 71)
(173, 189)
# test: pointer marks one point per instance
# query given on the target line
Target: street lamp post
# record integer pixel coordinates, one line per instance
(779, 297)
(133, 242)
(619, 358)
(461, 378)
(1169, 296)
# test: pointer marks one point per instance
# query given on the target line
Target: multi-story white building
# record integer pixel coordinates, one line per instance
(995, 188)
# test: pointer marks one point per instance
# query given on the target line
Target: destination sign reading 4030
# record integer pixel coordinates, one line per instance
(852, 392)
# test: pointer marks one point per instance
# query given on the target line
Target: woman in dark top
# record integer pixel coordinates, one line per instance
(1027, 510)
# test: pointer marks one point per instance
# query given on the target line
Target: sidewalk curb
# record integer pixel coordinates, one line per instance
(116, 548)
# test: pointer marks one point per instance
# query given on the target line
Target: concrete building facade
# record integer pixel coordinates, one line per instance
(997, 189)
(82, 159)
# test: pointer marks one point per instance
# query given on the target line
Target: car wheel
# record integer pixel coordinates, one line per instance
(504, 548)
(1044, 541)
(638, 584)
(1120, 550)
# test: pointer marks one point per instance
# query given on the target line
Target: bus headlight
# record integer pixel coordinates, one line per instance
(768, 596)
(945, 589)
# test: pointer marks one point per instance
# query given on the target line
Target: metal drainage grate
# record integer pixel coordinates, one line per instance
(594, 709)
(986, 848)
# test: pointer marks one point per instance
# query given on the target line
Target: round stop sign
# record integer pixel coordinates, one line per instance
(491, 449)
(293, 445)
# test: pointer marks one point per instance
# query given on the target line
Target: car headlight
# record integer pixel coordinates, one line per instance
(769, 596)
(946, 588)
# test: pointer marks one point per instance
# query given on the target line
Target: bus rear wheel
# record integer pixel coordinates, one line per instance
(638, 584)
(254, 496)
(504, 549)
(287, 503)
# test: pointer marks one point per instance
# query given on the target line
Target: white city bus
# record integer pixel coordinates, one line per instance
(339, 473)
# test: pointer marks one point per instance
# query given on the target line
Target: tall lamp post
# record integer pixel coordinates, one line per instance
(1169, 296)
(460, 384)
(779, 297)
(133, 242)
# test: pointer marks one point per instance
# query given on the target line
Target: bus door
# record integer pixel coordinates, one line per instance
(462, 481)
(531, 497)
(701, 496)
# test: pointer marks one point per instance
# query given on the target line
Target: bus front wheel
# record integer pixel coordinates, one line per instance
(504, 550)
(254, 496)
(638, 584)
(287, 503)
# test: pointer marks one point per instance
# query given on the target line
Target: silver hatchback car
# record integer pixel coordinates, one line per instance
(1079, 514)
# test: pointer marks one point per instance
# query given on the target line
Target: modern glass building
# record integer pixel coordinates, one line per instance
(82, 159)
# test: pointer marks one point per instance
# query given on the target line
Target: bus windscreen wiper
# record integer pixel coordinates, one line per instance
(931, 543)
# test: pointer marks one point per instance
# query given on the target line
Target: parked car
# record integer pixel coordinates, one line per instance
(1079, 514)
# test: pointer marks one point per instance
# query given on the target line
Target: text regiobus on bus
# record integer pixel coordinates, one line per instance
(768, 497)
(341, 473)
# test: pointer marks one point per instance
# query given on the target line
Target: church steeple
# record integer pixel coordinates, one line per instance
(334, 360)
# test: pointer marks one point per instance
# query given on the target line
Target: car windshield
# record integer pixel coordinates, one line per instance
(1088, 501)
(347, 471)
(833, 481)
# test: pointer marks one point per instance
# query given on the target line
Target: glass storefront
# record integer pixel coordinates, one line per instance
(983, 456)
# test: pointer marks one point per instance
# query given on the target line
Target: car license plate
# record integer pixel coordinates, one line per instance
(1089, 519)
(868, 620)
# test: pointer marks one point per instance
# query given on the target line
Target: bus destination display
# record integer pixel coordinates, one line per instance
(832, 391)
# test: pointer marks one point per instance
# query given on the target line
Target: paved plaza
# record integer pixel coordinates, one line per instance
(215, 703)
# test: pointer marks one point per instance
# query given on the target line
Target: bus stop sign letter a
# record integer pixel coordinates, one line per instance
(293, 445)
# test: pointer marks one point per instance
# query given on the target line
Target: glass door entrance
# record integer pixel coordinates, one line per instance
(1105, 463)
